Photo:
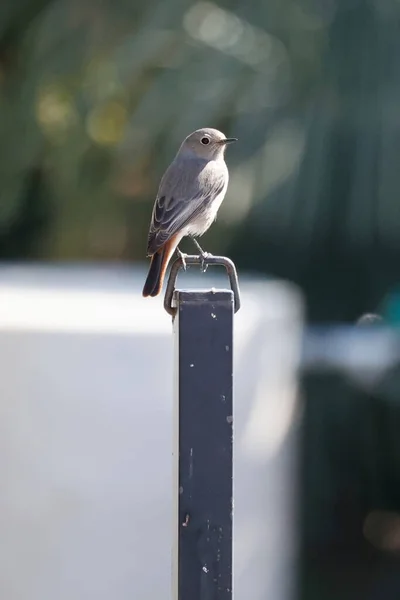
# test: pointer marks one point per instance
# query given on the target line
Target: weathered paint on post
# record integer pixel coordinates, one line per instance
(203, 453)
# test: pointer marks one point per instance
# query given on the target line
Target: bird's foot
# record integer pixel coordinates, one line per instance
(182, 256)
(203, 258)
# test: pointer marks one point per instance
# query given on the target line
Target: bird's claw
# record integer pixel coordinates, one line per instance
(202, 255)
(182, 256)
(203, 258)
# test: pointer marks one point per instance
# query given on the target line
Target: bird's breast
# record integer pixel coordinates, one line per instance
(205, 217)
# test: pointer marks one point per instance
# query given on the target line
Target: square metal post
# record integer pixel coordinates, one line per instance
(203, 453)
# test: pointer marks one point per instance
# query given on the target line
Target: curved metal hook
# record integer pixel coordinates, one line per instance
(198, 260)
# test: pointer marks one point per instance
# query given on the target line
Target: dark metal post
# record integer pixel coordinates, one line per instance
(203, 457)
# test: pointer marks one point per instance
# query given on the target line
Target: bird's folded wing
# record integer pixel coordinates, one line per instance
(184, 192)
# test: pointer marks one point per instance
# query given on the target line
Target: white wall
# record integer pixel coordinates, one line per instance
(85, 436)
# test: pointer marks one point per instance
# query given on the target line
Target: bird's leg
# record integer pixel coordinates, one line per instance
(199, 248)
(181, 255)
(203, 255)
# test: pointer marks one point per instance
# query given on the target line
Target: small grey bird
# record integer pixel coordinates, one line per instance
(190, 194)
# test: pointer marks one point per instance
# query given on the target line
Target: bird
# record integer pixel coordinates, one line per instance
(189, 196)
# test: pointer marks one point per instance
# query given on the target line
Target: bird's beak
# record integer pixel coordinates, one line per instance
(228, 140)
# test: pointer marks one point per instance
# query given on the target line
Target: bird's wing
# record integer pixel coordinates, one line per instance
(185, 189)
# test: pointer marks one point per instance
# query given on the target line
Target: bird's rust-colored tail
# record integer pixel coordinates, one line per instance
(158, 268)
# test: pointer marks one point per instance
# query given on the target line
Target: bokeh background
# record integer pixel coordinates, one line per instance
(95, 98)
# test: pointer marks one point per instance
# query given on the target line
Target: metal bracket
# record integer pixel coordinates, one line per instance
(206, 261)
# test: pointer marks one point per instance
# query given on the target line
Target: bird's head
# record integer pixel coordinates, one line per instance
(207, 143)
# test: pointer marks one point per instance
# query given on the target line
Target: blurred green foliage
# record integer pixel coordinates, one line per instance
(333, 224)
(96, 97)
(350, 482)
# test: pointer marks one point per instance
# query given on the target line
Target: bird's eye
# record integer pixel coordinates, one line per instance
(205, 140)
